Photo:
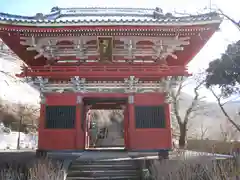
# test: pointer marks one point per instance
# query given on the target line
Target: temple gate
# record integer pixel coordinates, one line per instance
(105, 58)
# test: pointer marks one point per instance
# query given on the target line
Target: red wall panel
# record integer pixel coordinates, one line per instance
(57, 139)
(149, 139)
(61, 99)
(61, 139)
(149, 99)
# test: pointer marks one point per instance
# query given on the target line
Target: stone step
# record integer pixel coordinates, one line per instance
(102, 173)
(103, 162)
(103, 169)
(109, 142)
(105, 178)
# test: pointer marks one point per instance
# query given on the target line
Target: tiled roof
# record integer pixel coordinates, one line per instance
(105, 16)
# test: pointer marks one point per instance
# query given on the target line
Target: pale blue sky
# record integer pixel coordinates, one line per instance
(213, 49)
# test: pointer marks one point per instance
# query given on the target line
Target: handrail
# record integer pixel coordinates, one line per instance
(105, 68)
(104, 71)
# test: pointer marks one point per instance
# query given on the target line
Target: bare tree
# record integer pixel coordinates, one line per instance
(3, 109)
(235, 22)
(191, 112)
(228, 132)
(1, 45)
(203, 131)
(174, 124)
(27, 116)
(219, 99)
(217, 11)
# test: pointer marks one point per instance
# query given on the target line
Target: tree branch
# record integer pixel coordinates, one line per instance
(176, 106)
(224, 111)
(229, 18)
(203, 131)
(175, 97)
(193, 104)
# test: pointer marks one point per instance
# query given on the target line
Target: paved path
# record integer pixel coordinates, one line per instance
(25, 155)
(118, 155)
(16, 151)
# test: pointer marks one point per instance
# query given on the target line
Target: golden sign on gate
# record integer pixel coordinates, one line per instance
(105, 48)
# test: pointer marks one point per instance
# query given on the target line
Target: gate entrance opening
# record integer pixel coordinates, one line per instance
(105, 122)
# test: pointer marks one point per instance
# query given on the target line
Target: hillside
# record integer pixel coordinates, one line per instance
(210, 117)
(14, 91)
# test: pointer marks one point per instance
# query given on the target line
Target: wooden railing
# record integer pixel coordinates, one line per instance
(103, 70)
(106, 68)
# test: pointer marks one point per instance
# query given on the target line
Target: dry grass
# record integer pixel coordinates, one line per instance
(182, 167)
(194, 168)
(219, 147)
(41, 169)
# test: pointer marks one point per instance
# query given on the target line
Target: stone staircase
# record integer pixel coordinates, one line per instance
(104, 169)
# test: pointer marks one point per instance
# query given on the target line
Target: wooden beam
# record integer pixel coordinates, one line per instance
(106, 106)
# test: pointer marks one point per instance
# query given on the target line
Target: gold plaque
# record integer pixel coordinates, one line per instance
(105, 48)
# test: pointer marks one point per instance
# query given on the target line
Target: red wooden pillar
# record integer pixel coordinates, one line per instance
(42, 117)
(168, 122)
(41, 123)
(79, 127)
(168, 115)
(42, 120)
(126, 127)
(86, 125)
(131, 117)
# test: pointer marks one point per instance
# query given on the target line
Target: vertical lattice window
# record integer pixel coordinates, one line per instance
(150, 117)
(60, 117)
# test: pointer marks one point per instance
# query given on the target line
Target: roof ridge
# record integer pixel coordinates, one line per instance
(90, 14)
(99, 7)
(23, 16)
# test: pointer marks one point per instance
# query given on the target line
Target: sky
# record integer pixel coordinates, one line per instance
(228, 32)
